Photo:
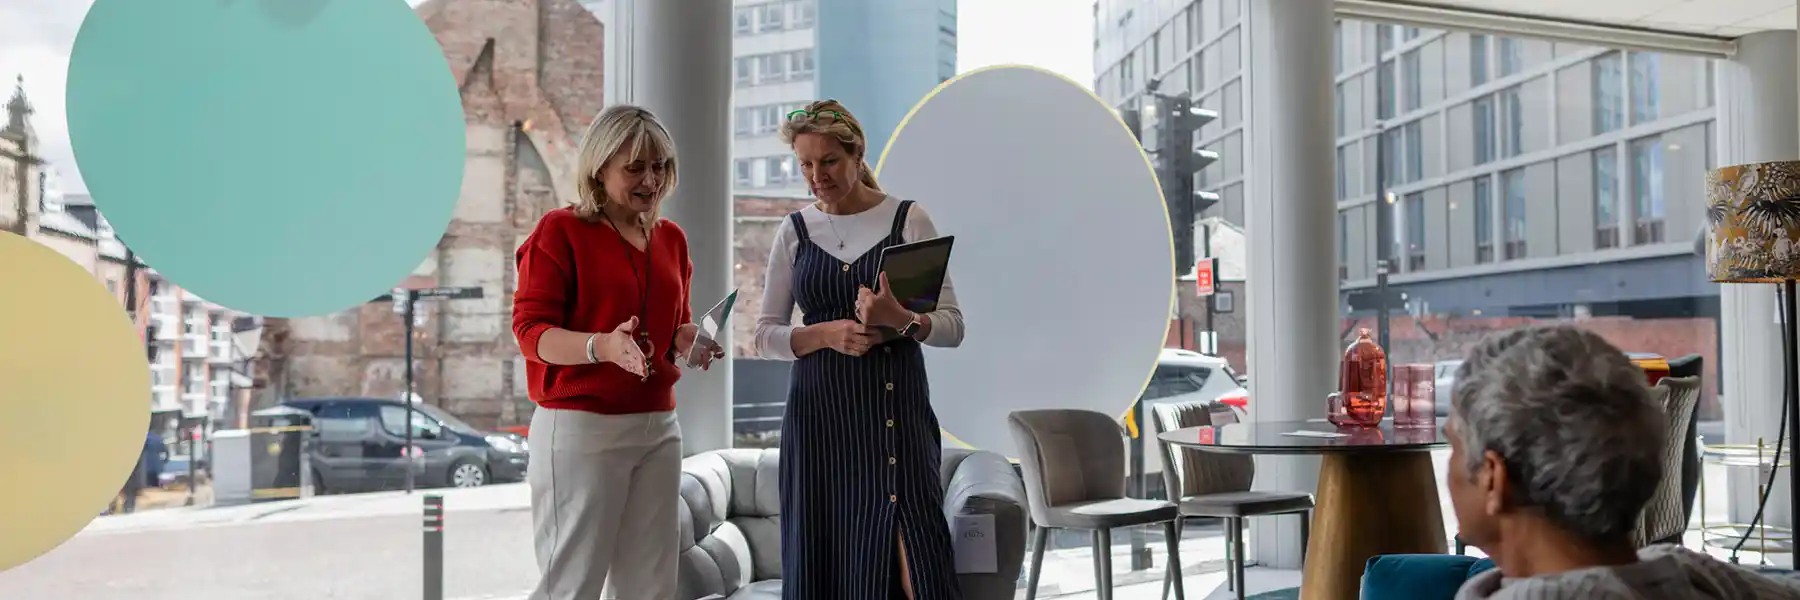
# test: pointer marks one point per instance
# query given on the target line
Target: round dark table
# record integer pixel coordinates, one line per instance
(1378, 492)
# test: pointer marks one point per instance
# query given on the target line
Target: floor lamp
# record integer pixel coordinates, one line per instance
(1753, 213)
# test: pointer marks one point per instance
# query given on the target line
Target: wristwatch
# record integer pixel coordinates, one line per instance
(912, 328)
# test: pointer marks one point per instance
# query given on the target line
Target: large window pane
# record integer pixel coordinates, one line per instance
(1533, 223)
(1491, 225)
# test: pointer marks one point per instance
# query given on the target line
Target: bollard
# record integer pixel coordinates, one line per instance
(434, 547)
(1139, 486)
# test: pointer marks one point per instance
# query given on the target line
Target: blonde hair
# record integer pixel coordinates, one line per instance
(841, 126)
(606, 138)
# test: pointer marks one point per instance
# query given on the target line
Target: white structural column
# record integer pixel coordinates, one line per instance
(1758, 96)
(1291, 216)
(680, 69)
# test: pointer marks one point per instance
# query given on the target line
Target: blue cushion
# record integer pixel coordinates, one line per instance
(1419, 576)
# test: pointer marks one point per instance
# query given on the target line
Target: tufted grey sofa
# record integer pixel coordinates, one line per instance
(731, 534)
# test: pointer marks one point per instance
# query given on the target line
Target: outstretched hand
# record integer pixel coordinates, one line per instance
(620, 347)
(879, 308)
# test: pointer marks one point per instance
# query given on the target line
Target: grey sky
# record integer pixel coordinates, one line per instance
(36, 35)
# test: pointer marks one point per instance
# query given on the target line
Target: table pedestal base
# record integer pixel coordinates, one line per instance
(1369, 504)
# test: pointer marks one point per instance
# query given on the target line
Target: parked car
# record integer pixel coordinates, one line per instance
(1185, 375)
(1188, 376)
(359, 444)
(1444, 380)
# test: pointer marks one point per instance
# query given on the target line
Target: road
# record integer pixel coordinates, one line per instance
(487, 555)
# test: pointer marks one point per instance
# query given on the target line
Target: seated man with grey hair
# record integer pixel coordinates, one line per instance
(1555, 450)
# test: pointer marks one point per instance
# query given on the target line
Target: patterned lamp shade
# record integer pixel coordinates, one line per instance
(1754, 213)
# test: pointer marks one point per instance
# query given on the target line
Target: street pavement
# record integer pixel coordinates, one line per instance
(285, 556)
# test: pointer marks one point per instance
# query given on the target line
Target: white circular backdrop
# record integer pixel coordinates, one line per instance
(1063, 263)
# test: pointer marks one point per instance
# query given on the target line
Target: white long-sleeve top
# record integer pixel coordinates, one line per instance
(859, 233)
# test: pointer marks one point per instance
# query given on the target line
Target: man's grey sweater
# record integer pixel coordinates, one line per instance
(1663, 572)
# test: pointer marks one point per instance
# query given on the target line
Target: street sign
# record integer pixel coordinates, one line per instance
(453, 293)
(1362, 300)
(1224, 302)
(399, 295)
(1203, 276)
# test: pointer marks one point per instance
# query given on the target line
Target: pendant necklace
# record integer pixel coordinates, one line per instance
(833, 223)
(642, 334)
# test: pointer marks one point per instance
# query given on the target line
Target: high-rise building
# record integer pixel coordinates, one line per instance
(879, 57)
(1528, 178)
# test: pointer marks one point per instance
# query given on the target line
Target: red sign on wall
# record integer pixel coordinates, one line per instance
(1203, 277)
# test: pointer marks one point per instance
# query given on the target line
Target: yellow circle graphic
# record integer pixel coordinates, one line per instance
(74, 398)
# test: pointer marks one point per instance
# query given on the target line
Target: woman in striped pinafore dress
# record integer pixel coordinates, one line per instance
(861, 496)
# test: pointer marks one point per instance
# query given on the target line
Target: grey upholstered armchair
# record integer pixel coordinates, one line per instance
(731, 529)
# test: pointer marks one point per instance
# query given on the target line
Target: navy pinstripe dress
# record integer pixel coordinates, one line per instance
(860, 451)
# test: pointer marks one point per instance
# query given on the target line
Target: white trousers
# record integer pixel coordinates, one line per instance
(604, 494)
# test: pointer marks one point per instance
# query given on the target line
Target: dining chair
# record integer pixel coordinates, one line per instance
(1074, 467)
(1213, 485)
(1692, 365)
(1664, 518)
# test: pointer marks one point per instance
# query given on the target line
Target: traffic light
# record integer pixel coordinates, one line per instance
(1178, 119)
(1134, 121)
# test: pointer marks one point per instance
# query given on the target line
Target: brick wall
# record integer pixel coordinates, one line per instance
(1432, 339)
(757, 220)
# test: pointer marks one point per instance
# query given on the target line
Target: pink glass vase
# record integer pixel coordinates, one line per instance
(1414, 401)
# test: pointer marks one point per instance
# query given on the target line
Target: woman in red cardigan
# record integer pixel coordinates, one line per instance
(601, 315)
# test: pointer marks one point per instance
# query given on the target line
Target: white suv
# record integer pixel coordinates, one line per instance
(1187, 376)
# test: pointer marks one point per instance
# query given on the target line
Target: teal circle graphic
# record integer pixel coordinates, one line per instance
(284, 162)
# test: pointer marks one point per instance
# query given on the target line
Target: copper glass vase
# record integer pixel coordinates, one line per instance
(1361, 400)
